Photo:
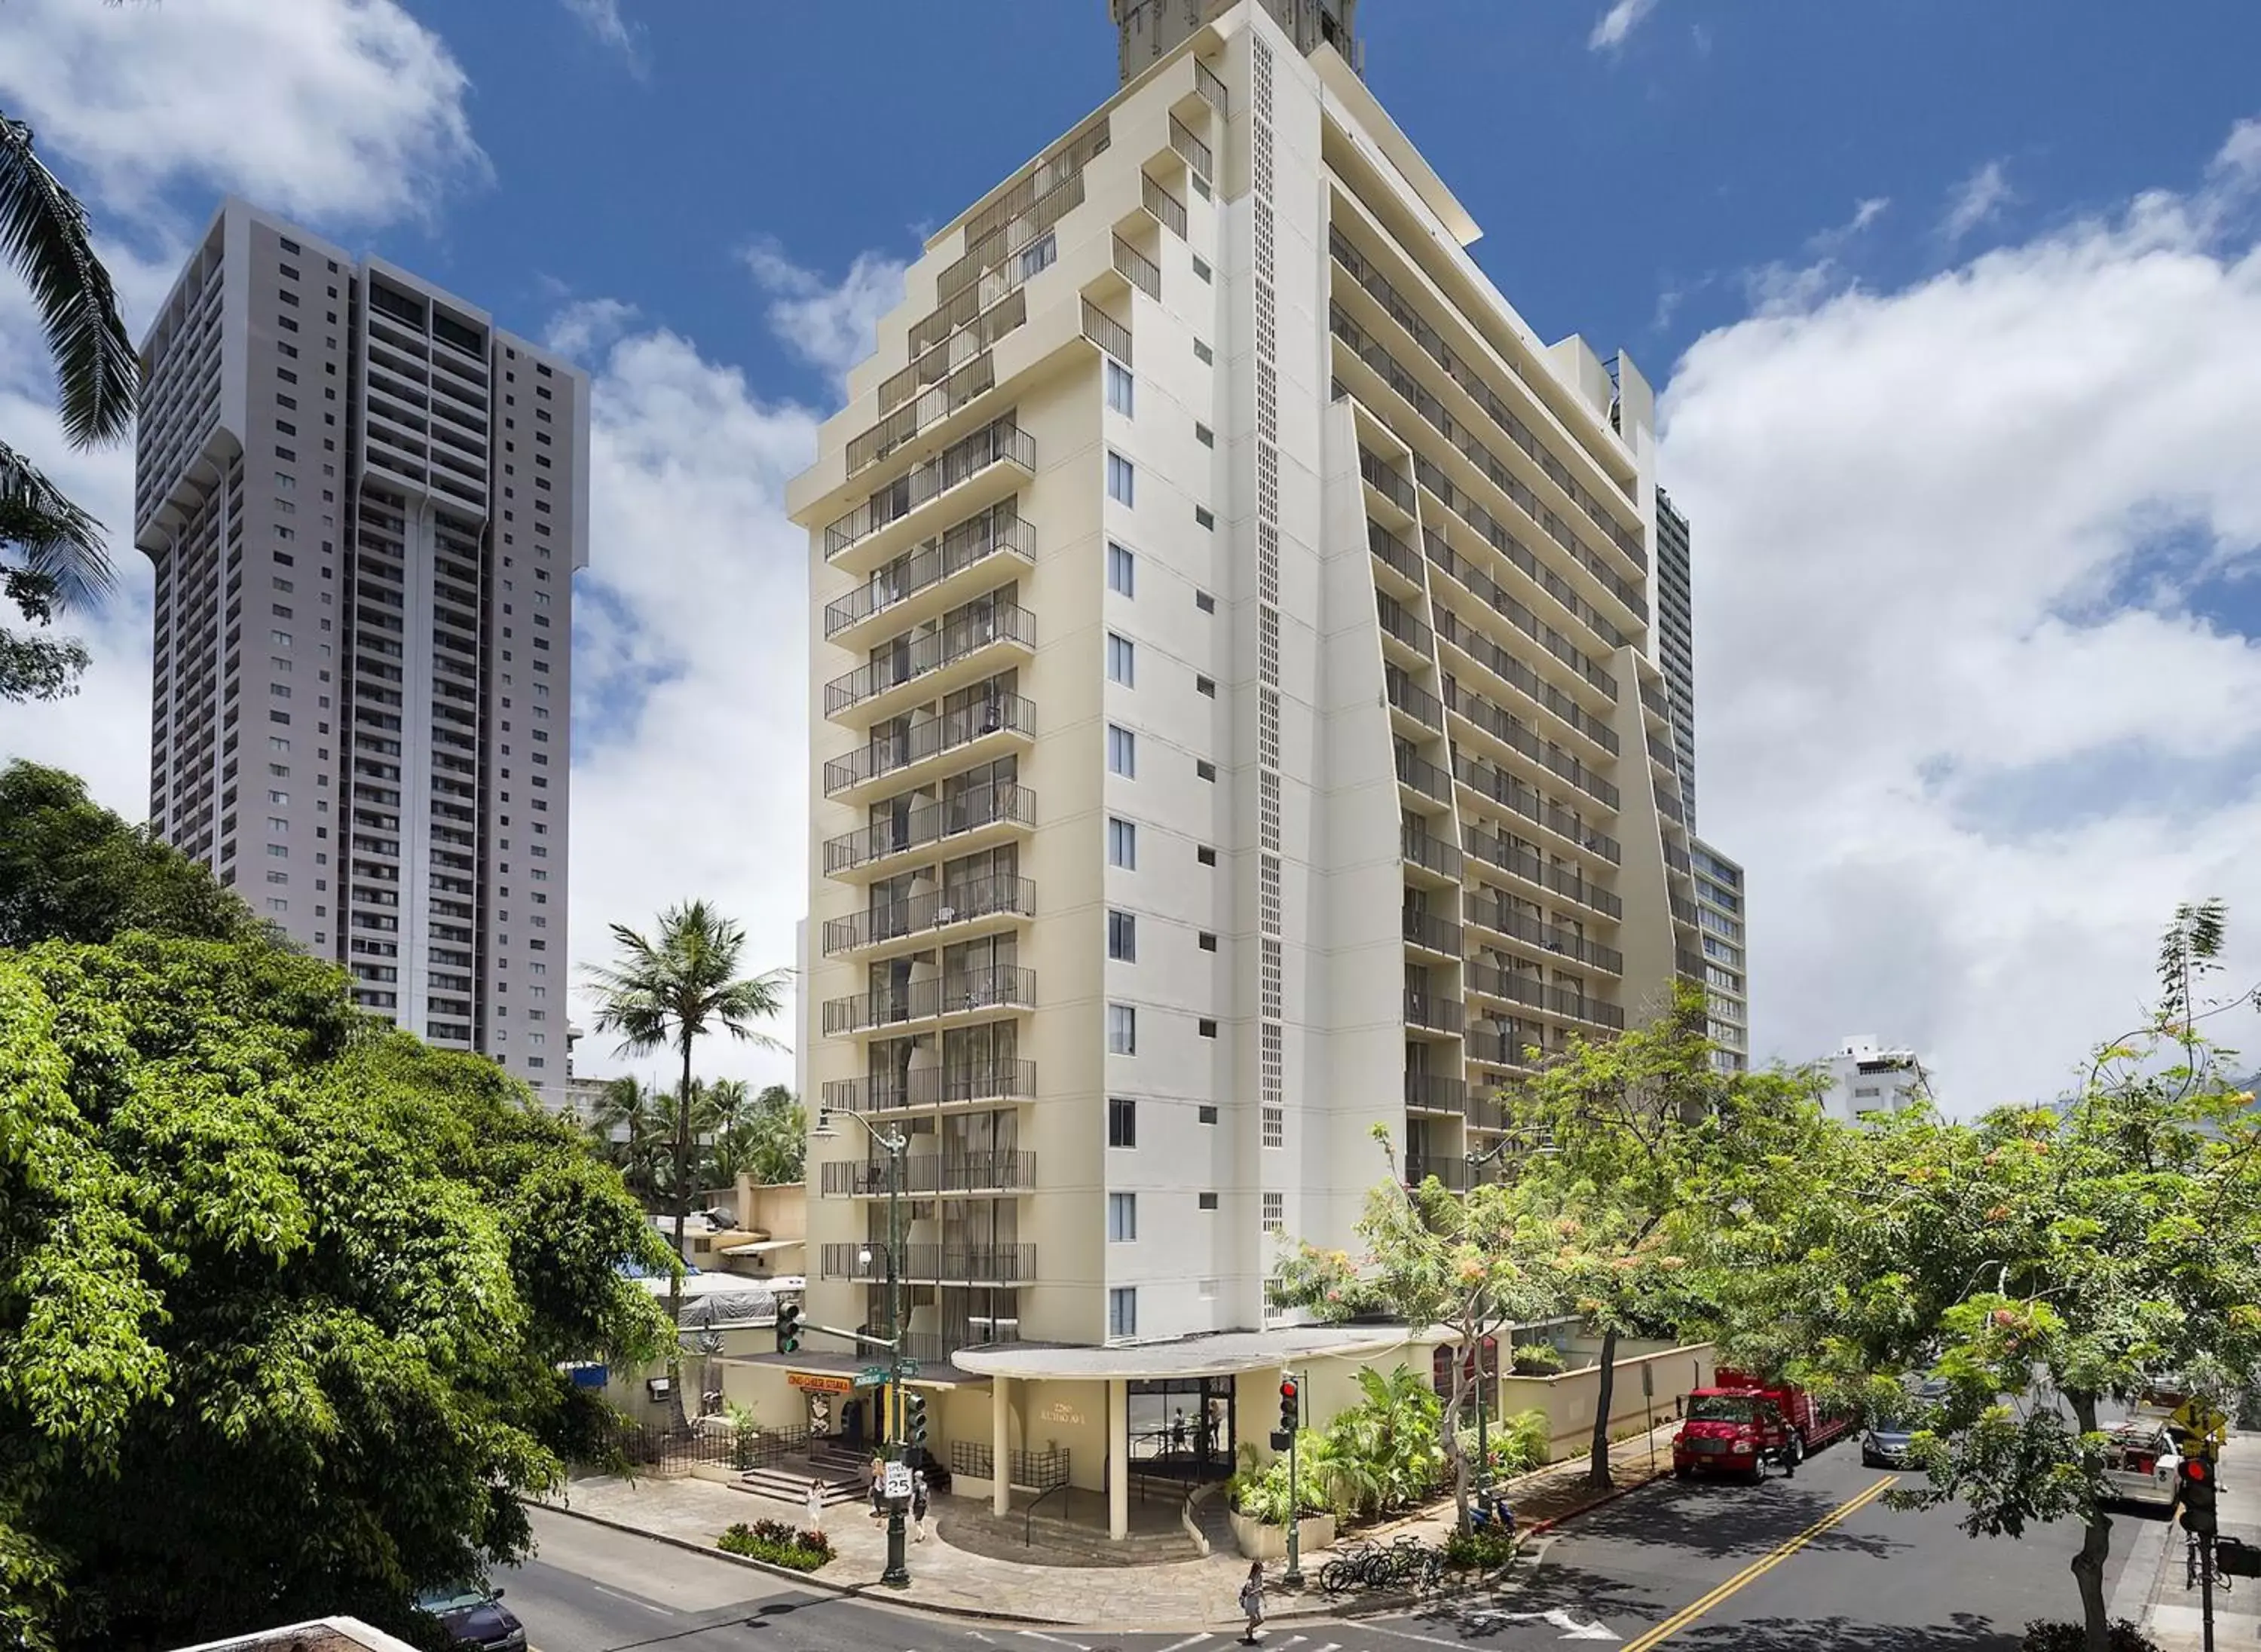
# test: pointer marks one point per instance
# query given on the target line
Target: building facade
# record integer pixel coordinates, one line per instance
(1719, 921)
(1866, 1078)
(1675, 641)
(364, 505)
(1239, 718)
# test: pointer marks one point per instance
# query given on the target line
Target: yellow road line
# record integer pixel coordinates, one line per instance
(1759, 1568)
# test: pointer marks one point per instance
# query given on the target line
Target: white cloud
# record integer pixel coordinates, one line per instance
(602, 18)
(348, 111)
(588, 324)
(827, 325)
(1957, 715)
(1974, 200)
(1619, 22)
(1865, 212)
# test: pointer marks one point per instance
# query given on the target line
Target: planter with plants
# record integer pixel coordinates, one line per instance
(778, 1543)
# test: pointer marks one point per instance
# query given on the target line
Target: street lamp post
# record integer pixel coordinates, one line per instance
(1492, 1154)
(895, 1146)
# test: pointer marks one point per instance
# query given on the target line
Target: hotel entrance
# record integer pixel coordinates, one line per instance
(1182, 1427)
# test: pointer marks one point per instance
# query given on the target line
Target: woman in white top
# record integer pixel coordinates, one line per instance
(816, 1506)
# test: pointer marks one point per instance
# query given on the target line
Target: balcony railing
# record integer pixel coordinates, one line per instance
(1433, 933)
(1414, 701)
(931, 1173)
(1393, 551)
(1453, 1172)
(1495, 851)
(1512, 988)
(1684, 909)
(1428, 1009)
(959, 993)
(1677, 858)
(887, 753)
(1436, 1093)
(1168, 209)
(935, 822)
(1509, 732)
(1506, 1045)
(1403, 626)
(941, 360)
(959, 903)
(1518, 675)
(1196, 152)
(987, 252)
(1653, 697)
(1386, 479)
(956, 639)
(934, 1086)
(978, 375)
(1206, 81)
(1514, 796)
(1692, 965)
(1139, 270)
(1106, 332)
(1500, 601)
(938, 559)
(1670, 807)
(1433, 853)
(944, 1263)
(1502, 919)
(1423, 775)
(1000, 443)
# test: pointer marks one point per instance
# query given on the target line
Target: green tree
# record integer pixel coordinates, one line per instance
(764, 1135)
(2099, 1244)
(283, 1295)
(667, 991)
(633, 1131)
(52, 557)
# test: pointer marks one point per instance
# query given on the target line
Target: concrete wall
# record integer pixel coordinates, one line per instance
(1570, 1399)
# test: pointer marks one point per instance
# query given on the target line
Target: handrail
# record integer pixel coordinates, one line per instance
(1029, 1526)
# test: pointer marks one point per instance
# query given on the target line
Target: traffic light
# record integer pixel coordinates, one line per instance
(788, 1326)
(2197, 1476)
(1289, 1412)
(914, 1418)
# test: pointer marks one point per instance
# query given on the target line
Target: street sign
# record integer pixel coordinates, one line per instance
(2200, 1421)
(871, 1377)
(897, 1481)
(909, 1368)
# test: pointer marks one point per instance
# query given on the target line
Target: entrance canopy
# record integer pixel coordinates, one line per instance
(1223, 1353)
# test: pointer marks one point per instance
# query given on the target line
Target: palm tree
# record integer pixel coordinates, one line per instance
(58, 561)
(667, 991)
(631, 1130)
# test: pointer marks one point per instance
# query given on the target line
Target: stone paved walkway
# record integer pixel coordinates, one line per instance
(1196, 1593)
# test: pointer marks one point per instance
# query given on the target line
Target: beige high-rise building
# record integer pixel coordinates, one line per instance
(1237, 718)
(364, 504)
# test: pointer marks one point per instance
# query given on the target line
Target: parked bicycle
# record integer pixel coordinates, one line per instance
(1367, 1564)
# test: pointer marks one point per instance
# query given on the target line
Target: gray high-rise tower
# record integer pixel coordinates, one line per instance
(364, 505)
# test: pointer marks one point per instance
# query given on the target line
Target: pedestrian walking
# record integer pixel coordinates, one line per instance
(1252, 1601)
(878, 1486)
(816, 1506)
(918, 1505)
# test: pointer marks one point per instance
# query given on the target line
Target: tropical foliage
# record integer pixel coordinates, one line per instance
(734, 1128)
(802, 1550)
(283, 1293)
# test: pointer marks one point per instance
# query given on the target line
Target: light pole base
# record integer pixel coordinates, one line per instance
(897, 1573)
(1292, 1579)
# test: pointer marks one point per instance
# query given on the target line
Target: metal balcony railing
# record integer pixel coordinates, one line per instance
(1692, 965)
(1414, 701)
(1435, 934)
(1495, 851)
(1435, 1093)
(931, 1173)
(1670, 809)
(935, 822)
(940, 1264)
(1196, 152)
(1168, 209)
(1208, 83)
(1509, 732)
(1139, 270)
(1506, 1045)
(1403, 626)
(1429, 1010)
(1423, 775)
(934, 1086)
(1433, 854)
(958, 993)
(1503, 603)
(1393, 551)
(978, 375)
(941, 360)
(1386, 479)
(1514, 796)
(1653, 697)
(1452, 1173)
(1518, 675)
(888, 752)
(1684, 909)
(959, 903)
(1017, 231)
(1510, 988)
(1483, 912)
(958, 636)
(999, 443)
(970, 543)
(1106, 332)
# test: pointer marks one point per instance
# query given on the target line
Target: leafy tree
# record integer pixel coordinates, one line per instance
(667, 991)
(766, 1136)
(633, 1129)
(52, 557)
(2098, 1245)
(282, 1298)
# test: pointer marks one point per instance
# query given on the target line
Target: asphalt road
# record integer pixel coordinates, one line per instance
(1816, 1561)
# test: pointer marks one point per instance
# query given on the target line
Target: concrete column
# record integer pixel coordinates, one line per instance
(1000, 1435)
(1118, 1459)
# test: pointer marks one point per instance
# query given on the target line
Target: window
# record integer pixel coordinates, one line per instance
(1122, 661)
(1123, 937)
(1205, 855)
(1275, 1213)
(1208, 1028)
(1204, 518)
(1122, 844)
(1122, 1218)
(1275, 1127)
(1122, 572)
(1208, 1201)
(1205, 602)
(279, 798)
(1039, 256)
(1122, 1311)
(1205, 686)
(1204, 770)
(1206, 1115)
(1122, 479)
(1200, 267)
(1122, 1029)
(1119, 388)
(1203, 434)
(1202, 353)
(1206, 940)
(1121, 751)
(1121, 1121)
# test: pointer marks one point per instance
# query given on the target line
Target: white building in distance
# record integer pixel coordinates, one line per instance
(1866, 1078)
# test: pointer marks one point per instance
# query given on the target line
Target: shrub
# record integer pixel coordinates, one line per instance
(1485, 1550)
(1536, 1359)
(2044, 1636)
(778, 1543)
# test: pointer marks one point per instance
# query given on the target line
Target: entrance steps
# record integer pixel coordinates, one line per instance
(1070, 1529)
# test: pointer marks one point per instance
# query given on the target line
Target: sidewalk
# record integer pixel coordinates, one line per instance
(2158, 1602)
(1197, 1593)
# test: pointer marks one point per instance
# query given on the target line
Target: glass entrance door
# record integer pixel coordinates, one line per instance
(1183, 1427)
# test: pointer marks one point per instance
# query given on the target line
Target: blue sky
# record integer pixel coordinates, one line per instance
(1954, 307)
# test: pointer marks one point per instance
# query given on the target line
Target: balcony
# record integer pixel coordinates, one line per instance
(1192, 149)
(1168, 211)
(967, 904)
(1683, 910)
(1135, 268)
(1516, 737)
(1509, 1046)
(1394, 554)
(1495, 851)
(966, 991)
(1653, 698)
(1424, 777)
(1519, 676)
(967, 646)
(1433, 934)
(1435, 1093)
(988, 814)
(1506, 987)
(980, 1084)
(935, 365)
(1451, 1172)
(930, 1173)
(1692, 965)
(1106, 332)
(977, 376)
(1415, 703)
(924, 583)
(1497, 916)
(1207, 82)
(1512, 795)
(1431, 1013)
(1432, 855)
(1005, 721)
(1404, 627)
(1669, 808)
(943, 1264)
(1487, 590)
(999, 452)
(1386, 479)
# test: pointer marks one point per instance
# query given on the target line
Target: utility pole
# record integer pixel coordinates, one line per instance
(896, 1146)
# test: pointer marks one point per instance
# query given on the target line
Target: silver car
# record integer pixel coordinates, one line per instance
(1885, 1445)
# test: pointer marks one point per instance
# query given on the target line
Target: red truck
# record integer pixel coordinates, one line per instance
(1740, 1424)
